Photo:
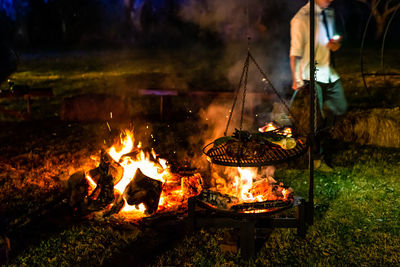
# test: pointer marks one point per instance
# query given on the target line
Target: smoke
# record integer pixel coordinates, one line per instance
(232, 19)
(263, 28)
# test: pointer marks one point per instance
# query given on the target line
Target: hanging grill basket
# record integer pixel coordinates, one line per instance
(252, 153)
(244, 149)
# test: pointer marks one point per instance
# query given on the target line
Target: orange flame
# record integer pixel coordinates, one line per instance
(150, 166)
(287, 131)
(270, 126)
(247, 187)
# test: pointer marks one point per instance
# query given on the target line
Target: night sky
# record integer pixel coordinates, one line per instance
(37, 23)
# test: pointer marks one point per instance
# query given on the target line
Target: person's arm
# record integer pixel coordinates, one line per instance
(336, 41)
(296, 72)
(297, 35)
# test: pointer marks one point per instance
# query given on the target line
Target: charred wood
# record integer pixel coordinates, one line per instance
(116, 207)
(103, 194)
(143, 189)
(253, 206)
(77, 190)
(222, 201)
(192, 185)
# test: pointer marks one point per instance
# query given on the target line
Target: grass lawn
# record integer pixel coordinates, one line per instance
(356, 219)
(357, 211)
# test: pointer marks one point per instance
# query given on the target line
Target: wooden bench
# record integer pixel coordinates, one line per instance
(27, 94)
(161, 94)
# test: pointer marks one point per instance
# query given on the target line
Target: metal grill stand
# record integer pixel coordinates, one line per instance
(250, 225)
(254, 225)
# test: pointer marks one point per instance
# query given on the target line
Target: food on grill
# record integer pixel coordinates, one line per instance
(246, 145)
(285, 142)
(222, 140)
(245, 150)
(276, 138)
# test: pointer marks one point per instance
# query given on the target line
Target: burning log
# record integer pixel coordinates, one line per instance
(261, 206)
(116, 206)
(77, 189)
(143, 189)
(217, 199)
(192, 185)
(103, 194)
(262, 187)
(114, 168)
(267, 189)
(133, 154)
(136, 153)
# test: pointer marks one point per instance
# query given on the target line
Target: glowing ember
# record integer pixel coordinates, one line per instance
(132, 159)
(287, 131)
(270, 126)
(261, 190)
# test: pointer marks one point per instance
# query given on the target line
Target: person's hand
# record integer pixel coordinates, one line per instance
(335, 43)
(297, 84)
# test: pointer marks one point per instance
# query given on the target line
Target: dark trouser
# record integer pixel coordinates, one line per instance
(331, 103)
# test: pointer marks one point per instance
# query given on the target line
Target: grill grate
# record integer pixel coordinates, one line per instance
(267, 154)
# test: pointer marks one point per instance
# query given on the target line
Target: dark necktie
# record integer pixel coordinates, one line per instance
(325, 21)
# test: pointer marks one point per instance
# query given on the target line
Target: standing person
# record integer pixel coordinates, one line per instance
(331, 99)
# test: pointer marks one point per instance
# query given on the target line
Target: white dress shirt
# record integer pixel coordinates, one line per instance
(300, 43)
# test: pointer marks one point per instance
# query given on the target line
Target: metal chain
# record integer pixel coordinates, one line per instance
(315, 99)
(246, 63)
(244, 90)
(245, 76)
(275, 91)
(248, 26)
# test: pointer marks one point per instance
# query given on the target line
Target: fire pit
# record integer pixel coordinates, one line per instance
(255, 209)
(251, 225)
(261, 205)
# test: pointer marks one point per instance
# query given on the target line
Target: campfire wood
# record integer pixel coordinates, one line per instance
(250, 225)
(144, 190)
